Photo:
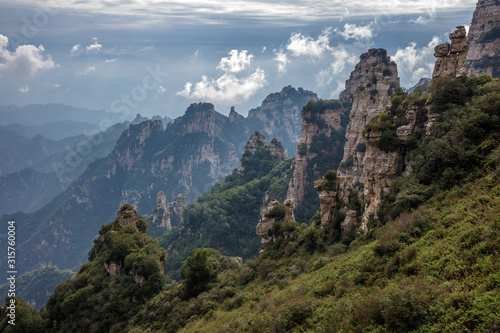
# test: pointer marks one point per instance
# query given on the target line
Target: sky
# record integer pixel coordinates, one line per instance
(155, 57)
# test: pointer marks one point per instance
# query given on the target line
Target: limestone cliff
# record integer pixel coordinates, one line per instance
(320, 147)
(256, 142)
(451, 58)
(269, 215)
(369, 88)
(484, 39)
(279, 115)
(168, 214)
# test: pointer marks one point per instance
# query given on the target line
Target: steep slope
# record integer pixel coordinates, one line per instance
(320, 149)
(187, 157)
(429, 264)
(484, 39)
(279, 116)
(224, 217)
(30, 189)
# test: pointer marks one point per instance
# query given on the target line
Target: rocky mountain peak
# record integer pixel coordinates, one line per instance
(199, 117)
(257, 142)
(451, 58)
(127, 215)
(484, 39)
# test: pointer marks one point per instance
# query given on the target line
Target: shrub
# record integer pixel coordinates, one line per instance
(387, 72)
(278, 212)
(199, 270)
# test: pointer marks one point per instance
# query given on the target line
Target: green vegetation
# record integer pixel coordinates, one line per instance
(36, 286)
(490, 36)
(225, 217)
(330, 183)
(387, 72)
(26, 318)
(98, 299)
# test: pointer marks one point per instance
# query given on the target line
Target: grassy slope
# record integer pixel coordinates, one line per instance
(446, 281)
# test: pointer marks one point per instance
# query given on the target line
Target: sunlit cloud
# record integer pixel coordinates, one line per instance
(352, 31)
(26, 61)
(237, 61)
(24, 89)
(416, 62)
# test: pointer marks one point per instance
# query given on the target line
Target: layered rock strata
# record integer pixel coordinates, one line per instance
(484, 39)
(451, 57)
(369, 88)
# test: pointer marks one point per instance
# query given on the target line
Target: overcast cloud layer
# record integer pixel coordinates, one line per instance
(156, 57)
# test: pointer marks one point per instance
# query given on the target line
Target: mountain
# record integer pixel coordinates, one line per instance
(36, 286)
(423, 83)
(54, 131)
(30, 189)
(484, 39)
(186, 157)
(36, 114)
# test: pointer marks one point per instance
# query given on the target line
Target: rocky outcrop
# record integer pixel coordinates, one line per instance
(127, 215)
(327, 192)
(230, 262)
(256, 142)
(113, 268)
(280, 115)
(161, 215)
(369, 88)
(266, 222)
(321, 122)
(451, 58)
(484, 39)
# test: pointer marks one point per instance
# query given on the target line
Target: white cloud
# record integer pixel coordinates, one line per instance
(75, 49)
(300, 45)
(282, 60)
(147, 48)
(236, 63)
(424, 19)
(264, 49)
(416, 62)
(226, 89)
(110, 60)
(25, 61)
(161, 90)
(356, 32)
(24, 89)
(342, 58)
(94, 48)
(89, 70)
(340, 86)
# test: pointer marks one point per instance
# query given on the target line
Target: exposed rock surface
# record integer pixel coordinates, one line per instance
(256, 142)
(231, 262)
(451, 58)
(127, 215)
(315, 124)
(266, 223)
(369, 88)
(113, 268)
(161, 215)
(484, 39)
(280, 115)
(328, 199)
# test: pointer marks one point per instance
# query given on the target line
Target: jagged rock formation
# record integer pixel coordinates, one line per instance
(484, 39)
(266, 222)
(256, 142)
(370, 86)
(451, 58)
(327, 192)
(168, 214)
(161, 215)
(279, 115)
(127, 215)
(321, 126)
(230, 262)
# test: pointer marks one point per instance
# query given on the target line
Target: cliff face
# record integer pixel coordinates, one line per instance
(256, 142)
(370, 85)
(451, 58)
(279, 115)
(320, 147)
(168, 214)
(268, 219)
(484, 39)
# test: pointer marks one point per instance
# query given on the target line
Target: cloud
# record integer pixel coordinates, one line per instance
(89, 70)
(264, 49)
(282, 59)
(352, 31)
(24, 89)
(424, 19)
(161, 90)
(226, 89)
(94, 48)
(342, 58)
(416, 62)
(26, 61)
(75, 49)
(236, 63)
(147, 48)
(110, 60)
(300, 45)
